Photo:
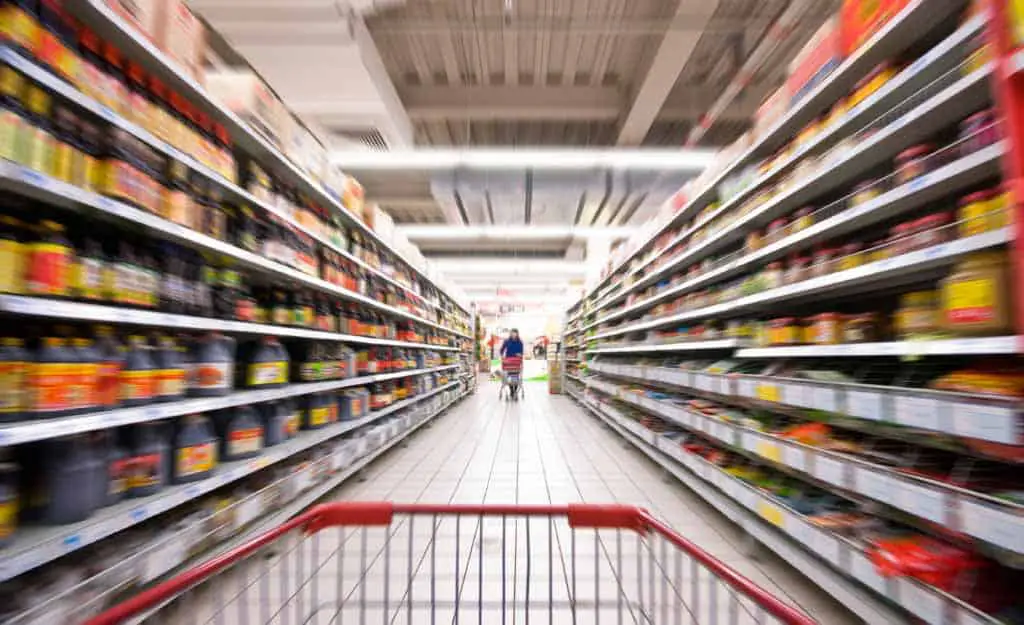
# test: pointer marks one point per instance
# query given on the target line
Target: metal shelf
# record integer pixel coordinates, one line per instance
(947, 347)
(25, 181)
(111, 27)
(34, 546)
(939, 183)
(848, 282)
(681, 346)
(40, 429)
(981, 516)
(61, 309)
(896, 36)
(827, 559)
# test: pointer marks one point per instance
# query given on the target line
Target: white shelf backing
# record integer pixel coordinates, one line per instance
(845, 560)
(958, 174)
(14, 177)
(35, 546)
(63, 309)
(928, 499)
(137, 48)
(891, 40)
(40, 429)
(849, 282)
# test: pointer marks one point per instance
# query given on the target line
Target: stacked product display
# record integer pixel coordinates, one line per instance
(820, 338)
(204, 334)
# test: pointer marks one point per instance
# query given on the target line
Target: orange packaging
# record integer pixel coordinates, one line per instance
(49, 387)
(137, 385)
(195, 459)
(859, 20)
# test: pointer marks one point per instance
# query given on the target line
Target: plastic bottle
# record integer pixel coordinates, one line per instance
(49, 262)
(317, 413)
(118, 465)
(83, 382)
(275, 423)
(170, 371)
(138, 377)
(13, 379)
(67, 493)
(48, 392)
(195, 450)
(109, 363)
(88, 271)
(266, 364)
(12, 255)
(149, 459)
(242, 435)
(293, 417)
(213, 366)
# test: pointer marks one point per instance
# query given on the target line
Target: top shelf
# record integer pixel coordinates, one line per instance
(111, 27)
(917, 17)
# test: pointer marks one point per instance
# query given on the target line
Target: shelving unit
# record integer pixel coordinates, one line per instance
(383, 296)
(684, 362)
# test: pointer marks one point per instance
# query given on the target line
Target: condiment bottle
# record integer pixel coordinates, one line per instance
(170, 370)
(13, 378)
(48, 390)
(39, 131)
(139, 373)
(195, 450)
(148, 463)
(88, 271)
(14, 122)
(83, 381)
(13, 253)
(110, 362)
(49, 262)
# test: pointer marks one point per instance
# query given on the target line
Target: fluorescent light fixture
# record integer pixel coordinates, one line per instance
(454, 267)
(680, 159)
(449, 233)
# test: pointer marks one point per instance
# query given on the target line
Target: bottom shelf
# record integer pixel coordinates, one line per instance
(839, 567)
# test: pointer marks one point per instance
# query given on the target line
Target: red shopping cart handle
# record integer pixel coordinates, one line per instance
(381, 514)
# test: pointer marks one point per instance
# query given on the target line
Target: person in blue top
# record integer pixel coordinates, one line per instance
(512, 346)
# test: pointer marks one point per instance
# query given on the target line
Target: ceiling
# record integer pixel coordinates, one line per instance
(400, 74)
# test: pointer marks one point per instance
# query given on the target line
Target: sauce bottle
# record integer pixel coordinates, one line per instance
(8, 499)
(213, 365)
(14, 122)
(13, 379)
(109, 363)
(170, 370)
(12, 256)
(49, 262)
(67, 159)
(138, 377)
(66, 491)
(82, 384)
(275, 417)
(242, 435)
(149, 459)
(88, 271)
(48, 389)
(194, 450)
(118, 474)
(39, 130)
(124, 276)
(19, 25)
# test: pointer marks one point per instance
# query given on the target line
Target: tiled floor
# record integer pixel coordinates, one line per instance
(544, 450)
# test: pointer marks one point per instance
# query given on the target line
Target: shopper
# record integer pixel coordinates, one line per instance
(512, 346)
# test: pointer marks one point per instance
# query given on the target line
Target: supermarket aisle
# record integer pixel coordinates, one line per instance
(547, 450)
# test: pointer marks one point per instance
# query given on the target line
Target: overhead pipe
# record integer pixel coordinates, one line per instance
(777, 33)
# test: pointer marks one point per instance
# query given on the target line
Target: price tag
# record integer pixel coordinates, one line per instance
(865, 404)
(770, 450)
(864, 571)
(924, 501)
(769, 392)
(874, 484)
(918, 412)
(830, 470)
(795, 457)
(824, 398)
(826, 546)
(771, 513)
(989, 422)
(999, 526)
(747, 388)
(921, 601)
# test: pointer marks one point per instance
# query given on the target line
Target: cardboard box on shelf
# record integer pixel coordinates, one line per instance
(353, 197)
(860, 19)
(143, 15)
(246, 95)
(816, 60)
(182, 36)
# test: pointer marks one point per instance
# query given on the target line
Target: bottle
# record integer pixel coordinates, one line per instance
(149, 459)
(66, 490)
(138, 377)
(13, 379)
(49, 262)
(48, 392)
(109, 363)
(39, 144)
(88, 271)
(213, 366)
(82, 383)
(170, 371)
(194, 450)
(242, 434)
(13, 254)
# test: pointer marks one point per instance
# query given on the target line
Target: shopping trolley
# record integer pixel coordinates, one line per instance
(369, 562)
(511, 378)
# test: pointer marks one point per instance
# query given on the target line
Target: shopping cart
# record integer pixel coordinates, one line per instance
(511, 378)
(362, 562)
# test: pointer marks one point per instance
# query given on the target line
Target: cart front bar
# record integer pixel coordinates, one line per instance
(382, 562)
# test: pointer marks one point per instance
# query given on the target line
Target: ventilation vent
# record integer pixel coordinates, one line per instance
(370, 138)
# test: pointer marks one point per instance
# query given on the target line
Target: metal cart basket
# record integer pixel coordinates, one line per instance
(391, 563)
